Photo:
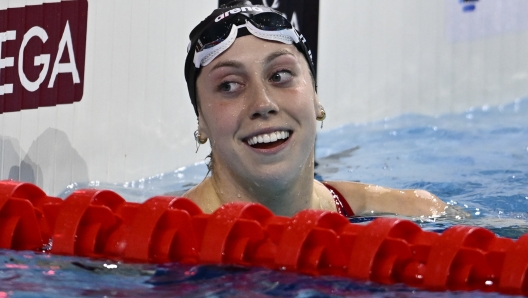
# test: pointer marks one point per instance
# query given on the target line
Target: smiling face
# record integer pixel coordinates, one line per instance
(257, 106)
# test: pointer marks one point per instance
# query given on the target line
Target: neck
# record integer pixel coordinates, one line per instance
(282, 195)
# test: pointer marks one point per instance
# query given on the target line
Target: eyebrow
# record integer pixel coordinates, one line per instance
(227, 63)
(237, 64)
(276, 54)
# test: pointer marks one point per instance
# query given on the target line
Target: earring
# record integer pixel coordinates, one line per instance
(198, 140)
(322, 117)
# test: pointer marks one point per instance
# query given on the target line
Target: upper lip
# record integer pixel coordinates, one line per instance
(266, 131)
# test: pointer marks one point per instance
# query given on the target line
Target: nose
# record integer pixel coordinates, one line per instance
(263, 105)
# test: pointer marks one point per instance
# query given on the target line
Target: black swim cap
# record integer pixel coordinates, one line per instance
(237, 8)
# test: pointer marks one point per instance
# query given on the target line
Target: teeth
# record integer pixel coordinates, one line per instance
(273, 137)
(267, 138)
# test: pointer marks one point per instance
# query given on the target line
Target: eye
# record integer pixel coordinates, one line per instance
(280, 76)
(229, 86)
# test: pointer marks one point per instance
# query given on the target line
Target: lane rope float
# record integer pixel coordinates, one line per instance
(101, 224)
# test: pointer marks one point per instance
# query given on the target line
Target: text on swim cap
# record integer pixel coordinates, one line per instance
(238, 10)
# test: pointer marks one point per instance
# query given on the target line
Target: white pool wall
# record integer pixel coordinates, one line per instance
(382, 58)
(377, 59)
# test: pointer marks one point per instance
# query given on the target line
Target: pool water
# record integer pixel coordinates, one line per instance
(477, 161)
(28, 274)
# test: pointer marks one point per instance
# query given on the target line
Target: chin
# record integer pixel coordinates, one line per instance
(277, 174)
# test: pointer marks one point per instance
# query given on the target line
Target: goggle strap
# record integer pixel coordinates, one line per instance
(286, 36)
(205, 57)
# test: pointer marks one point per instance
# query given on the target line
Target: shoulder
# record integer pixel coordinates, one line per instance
(373, 198)
(346, 185)
(353, 193)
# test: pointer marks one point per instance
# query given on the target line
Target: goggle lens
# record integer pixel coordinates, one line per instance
(269, 21)
(214, 35)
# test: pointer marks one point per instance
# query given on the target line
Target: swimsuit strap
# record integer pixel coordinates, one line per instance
(342, 205)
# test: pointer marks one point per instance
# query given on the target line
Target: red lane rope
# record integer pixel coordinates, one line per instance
(100, 223)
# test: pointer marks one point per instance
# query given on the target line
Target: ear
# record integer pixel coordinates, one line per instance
(202, 127)
(318, 107)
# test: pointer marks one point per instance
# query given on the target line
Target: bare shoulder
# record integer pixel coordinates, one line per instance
(365, 198)
(353, 193)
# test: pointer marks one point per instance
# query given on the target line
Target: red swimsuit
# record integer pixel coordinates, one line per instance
(342, 205)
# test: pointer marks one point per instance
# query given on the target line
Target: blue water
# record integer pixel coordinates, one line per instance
(476, 161)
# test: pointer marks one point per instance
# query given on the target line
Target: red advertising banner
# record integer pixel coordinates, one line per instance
(42, 55)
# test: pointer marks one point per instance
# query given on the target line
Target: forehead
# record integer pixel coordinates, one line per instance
(254, 49)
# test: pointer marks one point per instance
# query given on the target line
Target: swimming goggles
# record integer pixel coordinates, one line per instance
(216, 33)
(220, 36)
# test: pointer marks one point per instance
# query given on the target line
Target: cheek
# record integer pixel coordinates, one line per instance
(220, 121)
(215, 117)
(301, 103)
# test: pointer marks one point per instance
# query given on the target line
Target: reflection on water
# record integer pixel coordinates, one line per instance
(476, 161)
(27, 274)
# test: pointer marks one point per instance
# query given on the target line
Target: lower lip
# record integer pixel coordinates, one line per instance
(272, 150)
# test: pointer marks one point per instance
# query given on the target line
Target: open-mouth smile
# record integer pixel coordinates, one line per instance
(268, 140)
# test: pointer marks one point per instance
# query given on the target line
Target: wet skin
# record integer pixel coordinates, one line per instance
(257, 88)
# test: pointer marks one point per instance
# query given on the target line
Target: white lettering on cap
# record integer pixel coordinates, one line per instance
(219, 18)
(237, 10)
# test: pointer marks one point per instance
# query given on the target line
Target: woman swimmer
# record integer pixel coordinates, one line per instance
(252, 83)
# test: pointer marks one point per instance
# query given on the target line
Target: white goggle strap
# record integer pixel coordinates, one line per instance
(287, 36)
(205, 57)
